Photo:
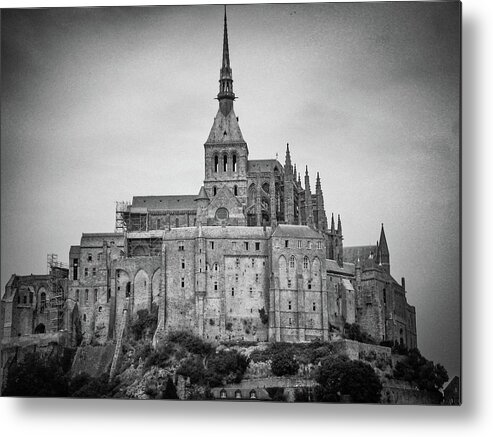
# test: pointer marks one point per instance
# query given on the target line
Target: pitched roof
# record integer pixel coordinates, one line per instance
(334, 267)
(169, 203)
(296, 231)
(229, 232)
(263, 165)
(225, 129)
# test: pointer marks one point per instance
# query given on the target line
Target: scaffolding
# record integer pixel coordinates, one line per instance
(58, 272)
(120, 210)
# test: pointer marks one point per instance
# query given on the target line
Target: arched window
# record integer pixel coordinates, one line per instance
(214, 190)
(84, 317)
(42, 304)
(216, 267)
(216, 164)
(237, 394)
(234, 162)
(305, 263)
(235, 189)
(225, 163)
(222, 394)
(253, 394)
(292, 262)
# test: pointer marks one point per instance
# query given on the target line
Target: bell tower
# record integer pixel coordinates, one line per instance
(226, 152)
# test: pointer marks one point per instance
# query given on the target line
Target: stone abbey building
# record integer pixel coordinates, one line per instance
(251, 257)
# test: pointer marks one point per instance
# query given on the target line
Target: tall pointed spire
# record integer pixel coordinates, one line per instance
(332, 224)
(226, 95)
(339, 225)
(383, 251)
(288, 158)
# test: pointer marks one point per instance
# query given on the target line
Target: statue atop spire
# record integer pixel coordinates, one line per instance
(226, 96)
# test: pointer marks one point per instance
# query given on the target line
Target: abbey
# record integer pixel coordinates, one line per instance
(251, 257)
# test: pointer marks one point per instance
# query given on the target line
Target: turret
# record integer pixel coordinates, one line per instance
(321, 217)
(308, 200)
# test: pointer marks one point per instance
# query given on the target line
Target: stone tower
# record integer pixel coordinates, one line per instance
(226, 152)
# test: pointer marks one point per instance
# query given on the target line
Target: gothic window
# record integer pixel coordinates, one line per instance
(89, 257)
(225, 163)
(214, 190)
(215, 285)
(182, 263)
(216, 165)
(232, 291)
(235, 189)
(234, 166)
(43, 301)
(182, 282)
(212, 245)
(292, 262)
(305, 263)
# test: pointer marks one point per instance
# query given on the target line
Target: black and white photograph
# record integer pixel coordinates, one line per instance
(242, 203)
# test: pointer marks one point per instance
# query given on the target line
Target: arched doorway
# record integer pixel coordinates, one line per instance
(40, 329)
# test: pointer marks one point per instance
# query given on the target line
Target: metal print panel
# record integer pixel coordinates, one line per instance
(312, 255)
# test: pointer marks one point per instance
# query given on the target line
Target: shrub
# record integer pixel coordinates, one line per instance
(264, 317)
(145, 324)
(284, 363)
(339, 377)
(190, 342)
(352, 331)
(276, 394)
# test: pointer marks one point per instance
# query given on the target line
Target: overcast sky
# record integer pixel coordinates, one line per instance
(101, 104)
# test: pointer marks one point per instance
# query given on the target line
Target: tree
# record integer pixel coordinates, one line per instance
(418, 370)
(340, 376)
(284, 363)
(37, 376)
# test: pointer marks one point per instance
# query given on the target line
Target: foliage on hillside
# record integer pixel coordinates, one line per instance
(418, 370)
(340, 376)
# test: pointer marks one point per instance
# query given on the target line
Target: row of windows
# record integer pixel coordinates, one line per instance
(235, 190)
(233, 290)
(86, 296)
(232, 166)
(252, 395)
(309, 244)
(246, 245)
(86, 271)
(99, 256)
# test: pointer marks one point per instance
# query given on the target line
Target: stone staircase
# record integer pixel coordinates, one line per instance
(119, 341)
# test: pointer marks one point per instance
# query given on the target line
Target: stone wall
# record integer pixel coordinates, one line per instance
(354, 350)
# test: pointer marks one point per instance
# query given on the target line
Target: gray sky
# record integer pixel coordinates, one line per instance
(100, 105)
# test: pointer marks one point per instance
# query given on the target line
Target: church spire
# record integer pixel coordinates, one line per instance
(226, 94)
